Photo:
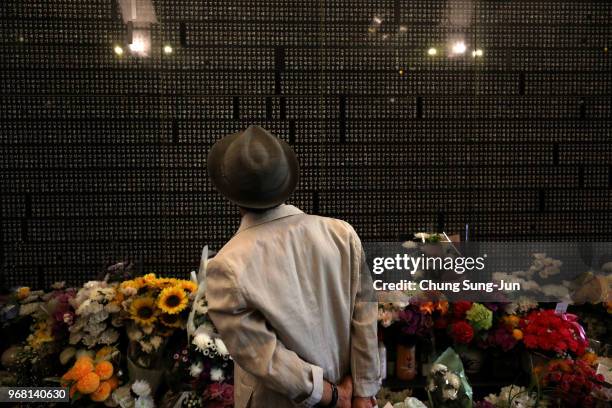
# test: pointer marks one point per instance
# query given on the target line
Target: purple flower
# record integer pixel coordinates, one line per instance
(502, 338)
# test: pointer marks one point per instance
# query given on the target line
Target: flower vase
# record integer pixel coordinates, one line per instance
(532, 359)
(472, 359)
(147, 367)
(405, 365)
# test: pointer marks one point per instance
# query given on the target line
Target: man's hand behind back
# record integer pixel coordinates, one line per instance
(345, 392)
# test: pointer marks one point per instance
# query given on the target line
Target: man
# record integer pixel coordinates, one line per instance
(289, 293)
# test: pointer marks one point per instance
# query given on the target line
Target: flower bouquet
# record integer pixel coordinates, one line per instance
(96, 315)
(468, 329)
(153, 308)
(570, 383)
(447, 385)
(93, 377)
(211, 369)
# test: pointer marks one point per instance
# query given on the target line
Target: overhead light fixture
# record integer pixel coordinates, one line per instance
(118, 50)
(403, 28)
(459, 48)
(432, 51)
(377, 20)
(168, 49)
(477, 53)
(138, 15)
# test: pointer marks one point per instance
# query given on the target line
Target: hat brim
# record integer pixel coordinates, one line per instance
(233, 193)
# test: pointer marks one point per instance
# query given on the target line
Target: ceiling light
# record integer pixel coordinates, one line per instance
(459, 47)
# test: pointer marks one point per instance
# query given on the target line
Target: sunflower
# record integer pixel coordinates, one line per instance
(170, 320)
(142, 310)
(133, 283)
(188, 286)
(165, 282)
(172, 300)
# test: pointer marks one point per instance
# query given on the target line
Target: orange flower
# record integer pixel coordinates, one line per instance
(517, 334)
(426, 307)
(102, 393)
(83, 366)
(442, 307)
(104, 369)
(23, 292)
(73, 390)
(590, 358)
(104, 353)
(113, 381)
(89, 383)
(512, 320)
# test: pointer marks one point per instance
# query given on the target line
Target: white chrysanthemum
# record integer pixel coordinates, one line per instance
(518, 395)
(29, 309)
(107, 294)
(196, 369)
(85, 308)
(144, 402)
(439, 368)
(129, 291)
(431, 385)
(221, 349)
(449, 394)
(216, 374)
(141, 388)
(133, 333)
(146, 346)
(452, 380)
(202, 341)
(95, 329)
(112, 308)
(90, 340)
(98, 317)
(109, 336)
(122, 396)
(156, 341)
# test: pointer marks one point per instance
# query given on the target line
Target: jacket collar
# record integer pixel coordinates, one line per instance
(251, 219)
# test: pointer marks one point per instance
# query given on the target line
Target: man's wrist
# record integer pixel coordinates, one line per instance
(329, 399)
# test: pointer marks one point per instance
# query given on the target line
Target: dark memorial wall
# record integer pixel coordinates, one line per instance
(103, 156)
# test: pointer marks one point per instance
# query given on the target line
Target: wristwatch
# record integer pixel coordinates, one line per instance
(334, 398)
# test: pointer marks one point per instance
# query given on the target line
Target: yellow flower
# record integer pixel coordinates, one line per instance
(150, 278)
(512, 320)
(136, 284)
(172, 300)
(170, 320)
(142, 311)
(23, 292)
(590, 358)
(165, 282)
(188, 286)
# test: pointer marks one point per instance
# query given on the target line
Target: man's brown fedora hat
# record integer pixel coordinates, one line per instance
(253, 168)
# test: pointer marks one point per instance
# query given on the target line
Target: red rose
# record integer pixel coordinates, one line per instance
(462, 332)
(460, 308)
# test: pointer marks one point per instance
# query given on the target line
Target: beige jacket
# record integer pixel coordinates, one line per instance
(286, 295)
